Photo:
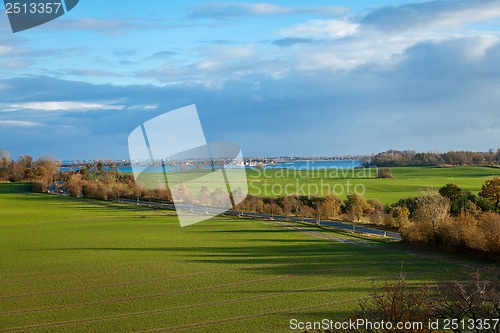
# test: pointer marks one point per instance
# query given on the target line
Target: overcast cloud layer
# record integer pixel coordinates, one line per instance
(317, 79)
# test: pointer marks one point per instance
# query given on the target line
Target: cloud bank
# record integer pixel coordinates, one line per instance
(420, 76)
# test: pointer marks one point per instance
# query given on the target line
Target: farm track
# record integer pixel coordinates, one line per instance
(363, 242)
(321, 235)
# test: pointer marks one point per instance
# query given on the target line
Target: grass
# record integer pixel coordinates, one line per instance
(73, 265)
(407, 181)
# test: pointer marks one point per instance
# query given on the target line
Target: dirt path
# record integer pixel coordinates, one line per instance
(438, 256)
(320, 234)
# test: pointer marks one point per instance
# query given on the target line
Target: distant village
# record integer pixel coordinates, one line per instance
(250, 161)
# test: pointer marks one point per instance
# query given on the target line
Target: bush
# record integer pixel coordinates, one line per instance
(395, 302)
(39, 186)
(429, 220)
(357, 206)
(384, 173)
(476, 296)
(409, 203)
(398, 217)
(490, 227)
(111, 196)
(377, 215)
(462, 233)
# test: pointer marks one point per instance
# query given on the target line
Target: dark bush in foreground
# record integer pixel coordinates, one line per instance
(476, 297)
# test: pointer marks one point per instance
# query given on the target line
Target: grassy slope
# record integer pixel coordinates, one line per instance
(407, 181)
(70, 265)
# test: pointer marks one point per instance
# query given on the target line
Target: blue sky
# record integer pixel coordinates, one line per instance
(308, 77)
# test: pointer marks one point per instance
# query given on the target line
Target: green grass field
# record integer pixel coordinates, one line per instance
(407, 181)
(72, 265)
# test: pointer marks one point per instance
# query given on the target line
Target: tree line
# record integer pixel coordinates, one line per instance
(90, 180)
(451, 218)
(112, 185)
(41, 172)
(395, 158)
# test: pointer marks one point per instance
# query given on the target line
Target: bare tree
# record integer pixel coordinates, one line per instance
(220, 198)
(476, 298)
(431, 214)
(395, 302)
(5, 161)
(205, 198)
(238, 197)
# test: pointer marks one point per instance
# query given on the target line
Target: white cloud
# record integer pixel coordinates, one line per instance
(382, 37)
(60, 106)
(91, 24)
(208, 65)
(370, 42)
(321, 29)
(6, 50)
(479, 46)
(19, 123)
(225, 57)
(433, 14)
(416, 76)
(223, 10)
(142, 107)
(264, 8)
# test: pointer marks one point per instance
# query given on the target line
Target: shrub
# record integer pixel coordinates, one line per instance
(490, 227)
(430, 216)
(476, 297)
(384, 173)
(377, 215)
(39, 186)
(395, 302)
(398, 217)
(357, 206)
